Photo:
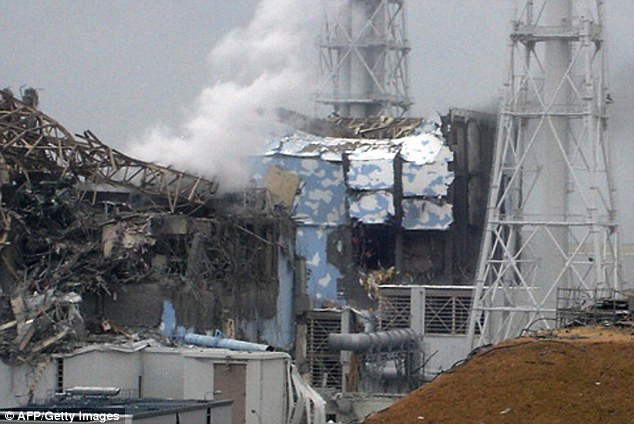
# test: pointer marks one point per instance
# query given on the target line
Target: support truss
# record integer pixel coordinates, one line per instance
(33, 142)
(551, 217)
(363, 58)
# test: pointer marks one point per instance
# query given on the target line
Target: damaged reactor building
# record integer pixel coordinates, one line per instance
(349, 223)
(341, 279)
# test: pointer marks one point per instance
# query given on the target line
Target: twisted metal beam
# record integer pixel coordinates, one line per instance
(33, 141)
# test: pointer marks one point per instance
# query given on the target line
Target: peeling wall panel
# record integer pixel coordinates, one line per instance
(322, 193)
(421, 214)
(430, 180)
(372, 207)
(312, 243)
(371, 174)
(278, 331)
(282, 185)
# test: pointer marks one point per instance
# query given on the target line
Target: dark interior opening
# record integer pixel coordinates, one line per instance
(373, 245)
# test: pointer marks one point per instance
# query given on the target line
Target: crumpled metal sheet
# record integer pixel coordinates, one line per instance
(375, 207)
(370, 175)
(422, 147)
(420, 214)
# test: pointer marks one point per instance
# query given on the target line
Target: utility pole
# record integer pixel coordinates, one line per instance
(363, 58)
(551, 214)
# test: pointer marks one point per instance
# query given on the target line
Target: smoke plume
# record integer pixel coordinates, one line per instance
(254, 69)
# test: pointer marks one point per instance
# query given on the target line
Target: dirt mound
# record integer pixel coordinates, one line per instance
(585, 375)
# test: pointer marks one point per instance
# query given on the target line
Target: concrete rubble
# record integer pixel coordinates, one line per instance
(84, 229)
(97, 247)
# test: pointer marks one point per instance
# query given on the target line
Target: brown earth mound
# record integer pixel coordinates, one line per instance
(583, 375)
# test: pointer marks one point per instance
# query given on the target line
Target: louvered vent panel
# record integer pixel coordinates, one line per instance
(394, 308)
(325, 366)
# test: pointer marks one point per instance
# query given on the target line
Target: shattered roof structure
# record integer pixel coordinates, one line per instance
(31, 141)
(380, 127)
(83, 222)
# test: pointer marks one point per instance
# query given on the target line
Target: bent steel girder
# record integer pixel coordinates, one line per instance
(33, 141)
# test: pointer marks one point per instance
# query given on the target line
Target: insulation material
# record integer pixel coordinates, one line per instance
(372, 207)
(282, 186)
(419, 214)
(371, 174)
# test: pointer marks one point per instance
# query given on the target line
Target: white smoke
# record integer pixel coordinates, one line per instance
(255, 69)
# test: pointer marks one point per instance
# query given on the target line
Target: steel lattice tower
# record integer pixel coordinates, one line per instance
(551, 217)
(363, 58)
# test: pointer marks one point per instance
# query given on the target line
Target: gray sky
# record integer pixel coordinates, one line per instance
(120, 67)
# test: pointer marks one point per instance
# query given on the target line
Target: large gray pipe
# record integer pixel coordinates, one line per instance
(361, 342)
(224, 343)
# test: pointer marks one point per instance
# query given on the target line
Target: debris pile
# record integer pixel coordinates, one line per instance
(52, 253)
(79, 219)
(577, 375)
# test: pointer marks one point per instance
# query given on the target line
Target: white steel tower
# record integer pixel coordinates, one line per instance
(551, 217)
(363, 58)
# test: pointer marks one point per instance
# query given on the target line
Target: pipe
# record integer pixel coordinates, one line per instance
(380, 340)
(92, 391)
(224, 343)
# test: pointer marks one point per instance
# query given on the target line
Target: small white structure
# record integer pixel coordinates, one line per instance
(263, 386)
(439, 314)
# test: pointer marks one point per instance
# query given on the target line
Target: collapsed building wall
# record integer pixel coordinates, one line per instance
(94, 240)
(233, 274)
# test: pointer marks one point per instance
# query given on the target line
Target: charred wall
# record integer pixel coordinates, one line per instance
(471, 136)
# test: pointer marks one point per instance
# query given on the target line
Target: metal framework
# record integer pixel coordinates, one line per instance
(551, 217)
(32, 142)
(363, 58)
